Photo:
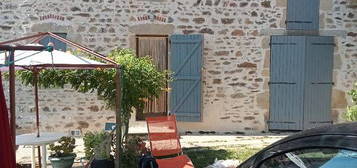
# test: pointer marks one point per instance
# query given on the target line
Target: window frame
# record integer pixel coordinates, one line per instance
(342, 136)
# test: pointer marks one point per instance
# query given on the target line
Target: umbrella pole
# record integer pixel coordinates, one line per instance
(12, 98)
(118, 114)
(35, 83)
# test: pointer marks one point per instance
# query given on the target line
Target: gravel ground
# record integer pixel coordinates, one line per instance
(187, 141)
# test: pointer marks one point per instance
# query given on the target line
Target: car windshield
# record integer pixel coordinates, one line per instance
(313, 158)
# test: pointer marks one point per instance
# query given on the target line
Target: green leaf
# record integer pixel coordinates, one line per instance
(140, 80)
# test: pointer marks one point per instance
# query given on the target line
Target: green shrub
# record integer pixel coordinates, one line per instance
(97, 144)
(351, 114)
(140, 78)
(141, 81)
(133, 148)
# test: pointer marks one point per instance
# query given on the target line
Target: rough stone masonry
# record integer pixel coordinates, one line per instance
(236, 54)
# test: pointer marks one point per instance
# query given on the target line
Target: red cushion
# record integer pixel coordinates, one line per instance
(181, 161)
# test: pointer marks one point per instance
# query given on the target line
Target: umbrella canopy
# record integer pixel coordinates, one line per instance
(12, 49)
(56, 59)
(7, 154)
(43, 59)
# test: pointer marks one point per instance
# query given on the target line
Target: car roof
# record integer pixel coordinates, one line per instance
(333, 136)
(338, 129)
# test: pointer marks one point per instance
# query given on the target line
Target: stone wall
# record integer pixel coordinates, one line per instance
(60, 109)
(236, 53)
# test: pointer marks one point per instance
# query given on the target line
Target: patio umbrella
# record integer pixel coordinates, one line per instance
(80, 63)
(39, 60)
(27, 59)
(7, 153)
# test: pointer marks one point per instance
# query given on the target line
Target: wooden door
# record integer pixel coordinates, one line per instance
(155, 47)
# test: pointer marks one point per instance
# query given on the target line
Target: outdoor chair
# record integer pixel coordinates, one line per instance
(165, 143)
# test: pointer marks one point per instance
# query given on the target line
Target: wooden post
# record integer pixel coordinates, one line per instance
(118, 110)
(12, 97)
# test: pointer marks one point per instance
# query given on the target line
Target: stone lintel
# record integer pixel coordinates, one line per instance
(152, 29)
(272, 32)
(51, 27)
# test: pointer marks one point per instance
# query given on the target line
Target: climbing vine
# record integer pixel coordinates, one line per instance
(140, 80)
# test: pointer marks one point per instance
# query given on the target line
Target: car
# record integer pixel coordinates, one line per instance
(332, 146)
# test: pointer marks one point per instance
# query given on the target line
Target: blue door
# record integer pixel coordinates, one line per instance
(300, 82)
(318, 81)
(287, 83)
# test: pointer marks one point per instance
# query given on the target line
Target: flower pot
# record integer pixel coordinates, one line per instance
(105, 163)
(62, 162)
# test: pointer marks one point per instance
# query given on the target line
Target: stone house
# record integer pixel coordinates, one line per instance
(235, 90)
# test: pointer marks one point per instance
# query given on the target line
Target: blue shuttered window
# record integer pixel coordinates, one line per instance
(186, 63)
(303, 14)
(58, 45)
(301, 80)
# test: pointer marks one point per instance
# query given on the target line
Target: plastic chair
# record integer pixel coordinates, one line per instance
(165, 141)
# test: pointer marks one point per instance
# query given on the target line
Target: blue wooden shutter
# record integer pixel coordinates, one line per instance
(58, 45)
(303, 14)
(186, 63)
(287, 83)
(318, 81)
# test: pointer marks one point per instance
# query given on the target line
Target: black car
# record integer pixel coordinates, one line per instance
(325, 147)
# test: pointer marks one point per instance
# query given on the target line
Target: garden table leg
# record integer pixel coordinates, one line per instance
(44, 157)
(33, 157)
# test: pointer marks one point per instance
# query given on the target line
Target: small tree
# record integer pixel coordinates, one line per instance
(351, 114)
(140, 81)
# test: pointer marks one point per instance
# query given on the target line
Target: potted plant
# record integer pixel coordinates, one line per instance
(98, 146)
(62, 155)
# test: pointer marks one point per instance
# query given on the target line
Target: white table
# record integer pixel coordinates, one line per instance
(43, 140)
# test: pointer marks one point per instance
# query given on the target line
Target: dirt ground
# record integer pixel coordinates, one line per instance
(228, 140)
(187, 141)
